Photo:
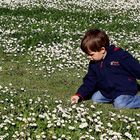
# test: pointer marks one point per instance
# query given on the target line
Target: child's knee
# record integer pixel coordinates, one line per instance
(96, 97)
(99, 98)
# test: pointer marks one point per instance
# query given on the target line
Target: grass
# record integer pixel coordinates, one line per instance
(31, 88)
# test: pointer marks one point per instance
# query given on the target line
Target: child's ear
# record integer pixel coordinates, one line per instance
(103, 49)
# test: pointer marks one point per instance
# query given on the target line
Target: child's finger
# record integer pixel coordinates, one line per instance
(73, 100)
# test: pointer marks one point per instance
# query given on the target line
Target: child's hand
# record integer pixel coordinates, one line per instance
(74, 99)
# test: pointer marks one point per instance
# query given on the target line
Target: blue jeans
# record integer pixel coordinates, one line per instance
(122, 101)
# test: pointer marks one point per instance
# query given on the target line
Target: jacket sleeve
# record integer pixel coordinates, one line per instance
(131, 64)
(86, 90)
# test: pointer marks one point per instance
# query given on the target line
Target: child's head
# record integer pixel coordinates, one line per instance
(95, 43)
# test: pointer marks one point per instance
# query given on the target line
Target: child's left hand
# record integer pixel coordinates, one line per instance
(74, 99)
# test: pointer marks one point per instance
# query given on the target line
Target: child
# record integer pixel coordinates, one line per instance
(112, 73)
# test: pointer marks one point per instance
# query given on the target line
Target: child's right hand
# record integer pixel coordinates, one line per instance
(74, 99)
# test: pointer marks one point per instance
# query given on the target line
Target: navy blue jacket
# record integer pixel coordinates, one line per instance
(113, 76)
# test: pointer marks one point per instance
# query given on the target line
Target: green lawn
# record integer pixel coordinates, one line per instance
(41, 67)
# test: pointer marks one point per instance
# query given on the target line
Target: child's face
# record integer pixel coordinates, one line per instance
(96, 56)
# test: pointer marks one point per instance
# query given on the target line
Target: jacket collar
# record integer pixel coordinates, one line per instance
(110, 51)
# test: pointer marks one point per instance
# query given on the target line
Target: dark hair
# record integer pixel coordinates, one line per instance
(94, 40)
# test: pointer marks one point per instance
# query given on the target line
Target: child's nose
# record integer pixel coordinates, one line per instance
(90, 57)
